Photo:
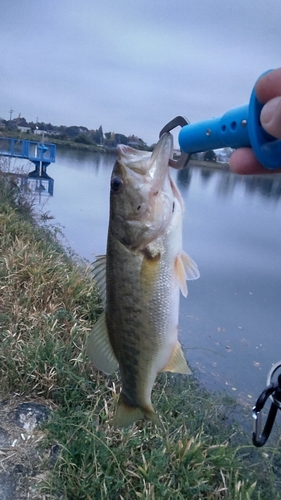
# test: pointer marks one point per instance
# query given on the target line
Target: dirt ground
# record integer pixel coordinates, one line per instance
(22, 453)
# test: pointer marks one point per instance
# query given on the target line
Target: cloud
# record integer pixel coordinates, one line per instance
(133, 66)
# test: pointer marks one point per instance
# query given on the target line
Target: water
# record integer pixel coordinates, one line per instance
(230, 322)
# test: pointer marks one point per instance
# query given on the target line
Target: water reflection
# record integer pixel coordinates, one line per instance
(206, 174)
(85, 160)
(268, 186)
(28, 180)
(184, 178)
(43, 186)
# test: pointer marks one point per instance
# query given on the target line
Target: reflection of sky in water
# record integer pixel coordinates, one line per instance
(229, 324)
(232, 316)
(81, 197)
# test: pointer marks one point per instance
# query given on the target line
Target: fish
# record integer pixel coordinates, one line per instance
(140, 279)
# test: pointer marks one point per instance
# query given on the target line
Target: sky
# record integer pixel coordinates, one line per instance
(132, 66)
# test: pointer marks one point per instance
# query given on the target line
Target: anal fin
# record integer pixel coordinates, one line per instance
(177, 362)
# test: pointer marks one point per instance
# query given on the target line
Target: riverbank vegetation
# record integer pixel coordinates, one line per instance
(74, 137)
(48, 305)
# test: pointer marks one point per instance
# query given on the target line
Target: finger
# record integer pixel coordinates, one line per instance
(271, 117)
(269, 86)
(244, 162)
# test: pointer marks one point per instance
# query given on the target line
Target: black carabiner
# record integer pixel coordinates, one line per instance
(178, 121)
(259, 436)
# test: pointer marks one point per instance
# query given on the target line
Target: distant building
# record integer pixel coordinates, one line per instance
(24, 129)
(223, 154)
(53, 132)
(39, 132)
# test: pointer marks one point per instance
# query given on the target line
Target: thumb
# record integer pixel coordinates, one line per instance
(271, 117)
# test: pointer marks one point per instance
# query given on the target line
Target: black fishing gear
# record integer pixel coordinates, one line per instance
(272, 391)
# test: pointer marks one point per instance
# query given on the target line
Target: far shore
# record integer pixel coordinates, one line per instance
(63, 145)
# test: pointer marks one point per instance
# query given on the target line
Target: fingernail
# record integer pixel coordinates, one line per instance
(268, 111)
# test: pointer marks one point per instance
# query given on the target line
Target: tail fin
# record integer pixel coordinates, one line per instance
(126, 415)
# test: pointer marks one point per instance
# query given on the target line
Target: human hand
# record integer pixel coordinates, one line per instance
(268, 91)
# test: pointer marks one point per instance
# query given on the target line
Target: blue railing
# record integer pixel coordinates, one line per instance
(31, 150)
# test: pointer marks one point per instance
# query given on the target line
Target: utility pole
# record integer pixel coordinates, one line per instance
(11, 114)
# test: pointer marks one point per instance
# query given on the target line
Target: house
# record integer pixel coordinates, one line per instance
(24, 129)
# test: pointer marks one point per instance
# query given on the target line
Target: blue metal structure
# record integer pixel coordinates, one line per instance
(39, 153)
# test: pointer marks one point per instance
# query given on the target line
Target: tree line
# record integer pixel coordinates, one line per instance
(79, 134)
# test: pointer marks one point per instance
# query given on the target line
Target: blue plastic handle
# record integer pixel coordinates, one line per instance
(239, 127)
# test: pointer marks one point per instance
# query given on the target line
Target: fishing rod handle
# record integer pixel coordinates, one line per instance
(237, 128)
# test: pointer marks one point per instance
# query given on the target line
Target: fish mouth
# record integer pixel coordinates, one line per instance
(147, 194)
(158, 167)
(163, 150)
(151, 167)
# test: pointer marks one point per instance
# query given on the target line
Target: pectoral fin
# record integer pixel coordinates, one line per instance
(191, 269)
(185, 269)
(177, 362)
(99, 348)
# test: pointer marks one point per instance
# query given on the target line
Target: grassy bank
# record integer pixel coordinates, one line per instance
(48, 305)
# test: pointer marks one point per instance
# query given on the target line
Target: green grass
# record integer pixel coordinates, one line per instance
(48, 305)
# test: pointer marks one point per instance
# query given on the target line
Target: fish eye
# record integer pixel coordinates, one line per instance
(116, 184)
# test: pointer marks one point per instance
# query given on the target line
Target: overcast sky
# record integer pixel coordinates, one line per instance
(131, 66)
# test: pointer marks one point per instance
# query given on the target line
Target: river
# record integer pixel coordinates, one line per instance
(230, 321)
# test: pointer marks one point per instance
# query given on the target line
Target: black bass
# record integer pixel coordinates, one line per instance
(140, 279)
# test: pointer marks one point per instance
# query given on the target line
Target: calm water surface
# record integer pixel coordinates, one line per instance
(230, 321)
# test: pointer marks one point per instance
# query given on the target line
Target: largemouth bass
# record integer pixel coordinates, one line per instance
(140, 279)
